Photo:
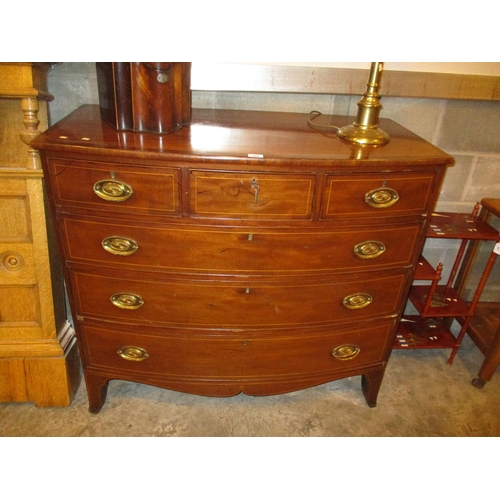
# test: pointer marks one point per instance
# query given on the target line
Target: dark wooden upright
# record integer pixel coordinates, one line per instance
(245, 252)
(145, 96)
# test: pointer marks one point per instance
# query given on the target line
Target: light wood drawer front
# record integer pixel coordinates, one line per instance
(236, 304)
(377, 195)
(205, 249)
(194, 355)
(115, 188)
(256, 195)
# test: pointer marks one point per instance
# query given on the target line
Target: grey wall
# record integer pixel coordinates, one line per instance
(468, 130)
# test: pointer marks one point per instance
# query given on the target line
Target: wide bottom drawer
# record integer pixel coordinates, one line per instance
(237, 356)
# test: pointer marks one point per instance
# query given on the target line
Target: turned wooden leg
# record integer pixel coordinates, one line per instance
(370, 384)
(97, 389)
(458, 343)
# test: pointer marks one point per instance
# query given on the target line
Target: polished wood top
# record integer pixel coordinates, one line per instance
(492, 205)
(245, 137)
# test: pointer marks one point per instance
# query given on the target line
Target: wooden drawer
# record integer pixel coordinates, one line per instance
(114, 187)
(255, 195)
(203, 249)
(378, 195)
(193, 355)
(236, 303)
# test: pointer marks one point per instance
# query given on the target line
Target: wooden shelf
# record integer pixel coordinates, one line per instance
(416, 332)
(437, 305)
(424, 271)
(457, 226)
(445, 302)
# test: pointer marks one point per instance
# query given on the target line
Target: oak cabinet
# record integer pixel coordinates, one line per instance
(39, 359)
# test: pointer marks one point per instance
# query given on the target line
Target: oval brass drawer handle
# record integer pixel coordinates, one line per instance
(118, 245)
(132, 353)
(382, 197)
(112, 190)
(357, 300)
(129, 301)
(346, 352)
(369, 249)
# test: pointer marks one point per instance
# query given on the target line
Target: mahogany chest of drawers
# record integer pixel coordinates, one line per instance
(246, 252)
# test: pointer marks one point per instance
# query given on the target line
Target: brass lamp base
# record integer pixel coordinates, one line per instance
(363, 135)
(364, 130)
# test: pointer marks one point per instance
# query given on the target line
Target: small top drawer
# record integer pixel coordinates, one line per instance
(236, 195)
(115, 187)
(377, 195)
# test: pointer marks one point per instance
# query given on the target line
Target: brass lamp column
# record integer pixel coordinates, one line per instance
(365, 129)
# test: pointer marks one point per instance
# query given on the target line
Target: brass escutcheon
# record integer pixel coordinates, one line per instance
(130, 301)
(112, 190)
(381, 197)
(369, 249)
(357, 300)
(346, 352)
(132, 353)
(119, 245)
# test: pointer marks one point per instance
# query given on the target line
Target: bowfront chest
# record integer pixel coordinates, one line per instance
(246, 252)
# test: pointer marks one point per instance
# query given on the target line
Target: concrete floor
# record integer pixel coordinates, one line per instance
(421, 395)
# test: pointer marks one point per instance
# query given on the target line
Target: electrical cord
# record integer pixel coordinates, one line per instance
(324, 129)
